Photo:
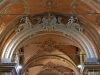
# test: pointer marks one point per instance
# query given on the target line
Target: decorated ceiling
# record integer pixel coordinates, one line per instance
(12, 9)
(53, 36)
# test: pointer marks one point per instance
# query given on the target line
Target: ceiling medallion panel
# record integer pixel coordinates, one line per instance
(48, 45)
(49, 3)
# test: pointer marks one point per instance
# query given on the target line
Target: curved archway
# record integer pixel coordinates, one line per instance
(54, 59)
(80, 37)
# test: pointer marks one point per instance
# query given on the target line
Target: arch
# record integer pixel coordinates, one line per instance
(54, 59)
(79, 36)
(75, 42)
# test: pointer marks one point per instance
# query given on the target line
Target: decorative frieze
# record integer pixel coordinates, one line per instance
(49, 22)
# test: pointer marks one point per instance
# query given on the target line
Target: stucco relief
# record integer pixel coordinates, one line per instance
(49, 22)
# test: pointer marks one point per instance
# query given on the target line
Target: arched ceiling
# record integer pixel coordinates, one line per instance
(12, 10)
(87, 12)
(50, 43)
